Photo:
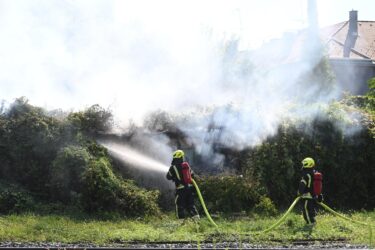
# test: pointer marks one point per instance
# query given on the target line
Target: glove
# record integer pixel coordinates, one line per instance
(319, 198)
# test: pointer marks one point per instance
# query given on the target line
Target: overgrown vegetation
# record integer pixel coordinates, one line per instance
(53, 158)
(344, 159)
(235, 194)
(49, 159)
(341, 140)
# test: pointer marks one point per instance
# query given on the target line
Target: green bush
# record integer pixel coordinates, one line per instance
(56, 158)
(103, 191)
(276, 163)
(14, 200)
(265, 206)
(371, 86)
(92, 121)
(343, 152)
(229, 193)
(30, 140)
(67, 172)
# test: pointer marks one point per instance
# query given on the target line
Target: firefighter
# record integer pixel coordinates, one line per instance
(184, 196)
(306, 191)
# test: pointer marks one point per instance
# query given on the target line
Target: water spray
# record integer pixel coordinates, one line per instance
(146, 171)
(135, 158)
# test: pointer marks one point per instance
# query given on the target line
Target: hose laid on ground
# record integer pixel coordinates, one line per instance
(348, 219)
(286, 214)
(283, 217)
(203, 204)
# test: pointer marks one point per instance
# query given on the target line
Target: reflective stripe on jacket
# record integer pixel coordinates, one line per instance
(306, 185)
(175, 174)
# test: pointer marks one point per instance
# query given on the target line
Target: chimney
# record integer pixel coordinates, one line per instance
(352, 35)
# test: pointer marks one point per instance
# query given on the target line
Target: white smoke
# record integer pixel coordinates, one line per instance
(138, 56)
(130, 55)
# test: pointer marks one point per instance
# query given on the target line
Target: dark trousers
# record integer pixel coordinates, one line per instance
(184, 200)
(308, 210)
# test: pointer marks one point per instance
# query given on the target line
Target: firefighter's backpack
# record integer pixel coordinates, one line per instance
(186, 173)
(318, 183)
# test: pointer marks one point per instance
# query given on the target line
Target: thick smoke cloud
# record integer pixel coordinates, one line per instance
(138, 57)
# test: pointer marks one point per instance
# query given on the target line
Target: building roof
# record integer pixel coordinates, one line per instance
(291, 48)
(334, 38)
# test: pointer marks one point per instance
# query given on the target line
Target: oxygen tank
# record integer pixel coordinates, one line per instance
(186, 173)
(318, 183)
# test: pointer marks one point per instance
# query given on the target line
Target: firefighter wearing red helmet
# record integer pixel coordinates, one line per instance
(181, 173)
(310, 190)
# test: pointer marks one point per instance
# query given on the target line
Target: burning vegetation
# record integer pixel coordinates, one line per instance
(53, 159)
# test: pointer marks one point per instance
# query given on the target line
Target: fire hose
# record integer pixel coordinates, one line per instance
(326, 208)
(203, 204)
(283, 217)
(277, 223)
(348, 219)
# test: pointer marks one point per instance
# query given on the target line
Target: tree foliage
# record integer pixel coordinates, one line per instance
(226, 193)
(14, 199)
(67, 171)
(55, 159)
(102, 189)
(30, 140)
(92, 121)
(343, 153)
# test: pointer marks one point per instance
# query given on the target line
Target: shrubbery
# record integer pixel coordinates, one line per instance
(14, 199)
(343, 154)
(29, 141)
(91, 121)
(66, 172)
(56, 161)
(102, 190)
(229, 193)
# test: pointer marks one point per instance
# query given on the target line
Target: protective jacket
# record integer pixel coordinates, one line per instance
(306, 185)
(175, 174)
(184, 197)
(306, 190)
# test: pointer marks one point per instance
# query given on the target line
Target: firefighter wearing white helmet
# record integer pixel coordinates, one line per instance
(306, 191)
(181, 173)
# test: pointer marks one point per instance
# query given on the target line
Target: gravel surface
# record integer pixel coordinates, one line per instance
(221, 245)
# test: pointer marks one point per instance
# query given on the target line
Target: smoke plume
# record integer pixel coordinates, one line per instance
(199, 61)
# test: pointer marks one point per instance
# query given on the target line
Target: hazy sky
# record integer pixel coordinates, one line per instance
(135, 56)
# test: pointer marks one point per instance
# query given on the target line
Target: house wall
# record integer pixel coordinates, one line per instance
(352, 74)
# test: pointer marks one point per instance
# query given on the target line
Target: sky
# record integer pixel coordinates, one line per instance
(136, 56)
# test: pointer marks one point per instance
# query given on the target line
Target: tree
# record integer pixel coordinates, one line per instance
(67, 171)
(31, 139)
(92, 121)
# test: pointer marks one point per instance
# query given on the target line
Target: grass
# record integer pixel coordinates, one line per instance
(68, 229)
